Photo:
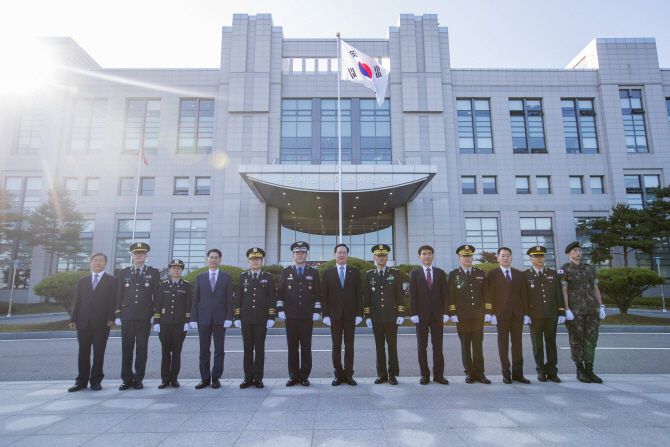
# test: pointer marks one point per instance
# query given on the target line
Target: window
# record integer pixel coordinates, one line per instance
(489, 185)
(537, 231)
(323, 65)
(576, 185)
(329, 142)
(522, 185)
(196, 126)
(333, 67)
(297, 65)
(296, 132)
(474, 126)
(375, 132)
(189, 243)
(88, 125)
(79, 262)
(202, 186)
(181, 186)
(584, 230)
(71, 184)
(147, 186)
(527, 126)
(30, 132)
(285, 65)
(92, 186)
(543, 186)
(310, 65)
(142, 122)
(126, 186)
(638, 189)
(633, 120)
(468, 185)
(579, 124)
(124, 239)
(597, 185)
(482, 233)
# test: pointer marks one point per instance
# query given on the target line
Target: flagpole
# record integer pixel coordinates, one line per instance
(339, 131)
(137, 190)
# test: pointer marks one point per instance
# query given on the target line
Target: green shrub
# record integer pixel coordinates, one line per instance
(234, 272)
(486, 267)
(360, 264)
(405, 270)
(623, 284)
(60, 286)
(642, 301)
(275, 270)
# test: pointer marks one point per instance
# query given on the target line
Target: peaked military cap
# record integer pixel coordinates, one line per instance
(300, 246)
(139, 247)
(465, 250)
(570, 246)
(255, 253)
(536, 251)
(176, 263)
(381, 249)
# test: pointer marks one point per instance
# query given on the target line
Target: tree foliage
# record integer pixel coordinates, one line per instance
(623, 284)
(405, 270)
(360, 264)
(7, 219)
(488, 257)
(487, 267)
(234, 272)
(60, 286)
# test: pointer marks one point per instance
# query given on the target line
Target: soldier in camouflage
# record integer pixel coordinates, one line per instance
(583, 311)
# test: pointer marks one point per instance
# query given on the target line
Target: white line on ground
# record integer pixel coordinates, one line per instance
(633, 348)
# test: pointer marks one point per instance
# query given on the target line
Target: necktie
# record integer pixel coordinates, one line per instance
(342, 276)
(540, 274)
(255, 276)
(212, 281)
(381, 273)
(430, 280)
(137, 273)
(468, 273)
(300, 273)
(509, 278)
(95, 281)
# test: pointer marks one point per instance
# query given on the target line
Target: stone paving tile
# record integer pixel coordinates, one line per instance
(201, 422)
(573, 437)
(129, 406)
(399, 402)
(536, 417)
(6, 440)
(27, 424)
(16, 406)
(599, 416)
(330, 402)
(61, 406)
(151, 423)
(349, 438)
(281, 420)
(126, 440)
(638, 436)
(284, 438)
(314, 389)
(69, 440)
(85, 423)
(210, 438)
(289, 403)
(411, 418)
(489, 418)
(181, 405)
(506, 437)
(233, 404)
(458, 401)
(348, 420)
(424, 437)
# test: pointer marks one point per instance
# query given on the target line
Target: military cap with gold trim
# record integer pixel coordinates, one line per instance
(255, 253)
(176, 263)
(381, 250)
(139, 247)
(300, 246)
(465, 250)
(570, 246)
(538, 250)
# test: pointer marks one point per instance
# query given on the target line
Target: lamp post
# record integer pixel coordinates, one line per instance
(658, 265)
(11, 294)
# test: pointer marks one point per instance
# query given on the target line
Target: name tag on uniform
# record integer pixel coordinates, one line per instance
(309, 278)
(290, 278)
(166, 291)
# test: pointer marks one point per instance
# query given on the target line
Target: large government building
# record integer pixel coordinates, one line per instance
(246, 154)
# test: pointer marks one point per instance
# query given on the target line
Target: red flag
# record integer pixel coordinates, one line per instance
(144, 158)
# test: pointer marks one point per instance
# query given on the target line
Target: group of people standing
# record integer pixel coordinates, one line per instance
(506, 297)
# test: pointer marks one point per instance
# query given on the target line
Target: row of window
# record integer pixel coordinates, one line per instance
(126, 186)
(320, 65)
(489, 184)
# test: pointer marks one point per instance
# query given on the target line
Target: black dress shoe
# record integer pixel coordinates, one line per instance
(175, 384)
(77, 387)
(138, 385)
(215, 382)
(125, 386)
(246, 384)
(96, 387)
(542, 377)
(520, 379)
(425, 380)
(441, 380)
(483, 379)
(380, 380)
(304, 382)
(507, 380)
(163, 385)
(469, 379)
(393, 380)
(203, 384)
(554, 378)
(350, 381)
(292, 382)
(259, 384)
(337, 381)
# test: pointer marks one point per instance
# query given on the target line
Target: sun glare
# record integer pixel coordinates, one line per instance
(28, 67)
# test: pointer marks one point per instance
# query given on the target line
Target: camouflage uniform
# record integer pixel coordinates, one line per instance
(583, 330)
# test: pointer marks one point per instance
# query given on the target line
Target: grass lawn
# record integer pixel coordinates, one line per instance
(28, 309)
(630, 320)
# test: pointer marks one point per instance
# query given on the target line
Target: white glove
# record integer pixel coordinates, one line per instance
(227, 324)
(326, 321)
(602, 313)
(487, 318)
(368, 321)
(454, 319)
(400, 320)
(238, 324)
(561, 320)
(152, 320)
(414, 319)
(157, 328)
(186, 326)
(359, 320)
(316, 317)
(445, 318)
(569, 315)
(117, 322)
(526, 320)
(494, 320)
(270, 324)
(281, 315)
(193, 324)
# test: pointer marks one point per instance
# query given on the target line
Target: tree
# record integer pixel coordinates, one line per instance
(488, 257)
(628, 228)
(622, 284)
(61, 287)
(7, 219)
(54, 225)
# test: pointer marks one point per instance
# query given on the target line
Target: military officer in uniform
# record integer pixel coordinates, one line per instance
(138, 290)
(299, 303)
(470, 307)
(255, 309)
(384, 309)
(173, 314)
(545, 304)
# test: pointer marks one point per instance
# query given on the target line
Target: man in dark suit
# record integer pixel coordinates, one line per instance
(510, 307)
(547, 311)
(92, 316)
(211, 314)
(342, 307)
(429, 304)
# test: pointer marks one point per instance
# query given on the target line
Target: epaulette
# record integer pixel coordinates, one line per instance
(288, 267)
(527, 270)
(372, 270)
(166, 280)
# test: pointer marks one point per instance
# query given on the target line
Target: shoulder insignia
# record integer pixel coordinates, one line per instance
(288, 267)
(371, 270)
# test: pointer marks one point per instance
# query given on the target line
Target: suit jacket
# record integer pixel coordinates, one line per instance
(469, 299)
(506, 300)
(341, 302)
(428, 304)
(545, 297)
(212, 308)
(384, 298)
(94, 306)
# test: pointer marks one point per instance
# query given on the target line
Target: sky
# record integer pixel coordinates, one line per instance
(482, 33)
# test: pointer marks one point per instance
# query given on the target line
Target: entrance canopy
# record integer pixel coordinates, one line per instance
(311, 191)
